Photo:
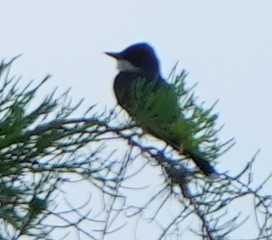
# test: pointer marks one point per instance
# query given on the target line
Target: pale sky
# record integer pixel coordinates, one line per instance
(226, 46)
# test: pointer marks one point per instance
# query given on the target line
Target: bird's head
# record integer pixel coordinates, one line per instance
(140, 58)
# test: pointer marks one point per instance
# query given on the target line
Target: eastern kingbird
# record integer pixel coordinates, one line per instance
(152, 102)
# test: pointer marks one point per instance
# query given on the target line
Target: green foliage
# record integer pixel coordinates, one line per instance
(199, 121)
(42, 146)
(172, 114)
(38, 146)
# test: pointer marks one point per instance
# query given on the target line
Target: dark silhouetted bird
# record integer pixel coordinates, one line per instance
(153, 103)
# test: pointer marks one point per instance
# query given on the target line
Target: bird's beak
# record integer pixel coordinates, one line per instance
(113, 54)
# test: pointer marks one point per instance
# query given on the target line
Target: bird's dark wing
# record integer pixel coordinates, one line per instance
(153, 105)
(133, 91)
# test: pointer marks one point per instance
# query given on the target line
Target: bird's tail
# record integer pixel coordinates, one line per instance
(202, 164)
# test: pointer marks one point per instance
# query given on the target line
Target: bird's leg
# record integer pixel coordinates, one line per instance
(181, 149)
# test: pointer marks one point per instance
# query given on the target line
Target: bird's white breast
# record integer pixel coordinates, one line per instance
(126, 66)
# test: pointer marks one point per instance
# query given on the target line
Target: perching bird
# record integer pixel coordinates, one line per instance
(152, 102)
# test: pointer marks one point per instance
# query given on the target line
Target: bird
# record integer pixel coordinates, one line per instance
(153, 103)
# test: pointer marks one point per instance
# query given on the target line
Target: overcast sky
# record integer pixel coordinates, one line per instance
(226, 46)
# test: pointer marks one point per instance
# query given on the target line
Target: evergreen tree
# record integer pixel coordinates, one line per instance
(44, 147)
